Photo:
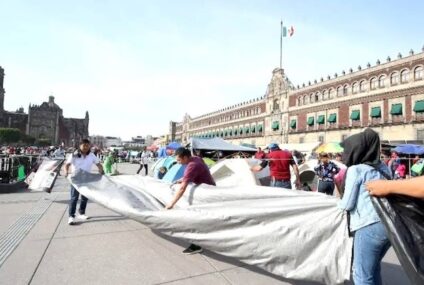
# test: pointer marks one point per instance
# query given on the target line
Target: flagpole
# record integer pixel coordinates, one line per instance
(281, 45)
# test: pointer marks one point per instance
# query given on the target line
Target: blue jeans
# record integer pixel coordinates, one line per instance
(326, 187)
(73, 203)
(281, 183)
(370, 246)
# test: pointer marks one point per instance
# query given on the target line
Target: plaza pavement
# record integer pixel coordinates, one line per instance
(37, 246)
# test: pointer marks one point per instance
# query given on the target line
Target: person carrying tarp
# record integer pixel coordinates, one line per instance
(279, 165)
(362, 157)
(196, 172)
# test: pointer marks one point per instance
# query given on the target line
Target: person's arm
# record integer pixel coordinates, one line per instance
(67, 165)
(178, 195)
(100, 167)
(257, 168)
(413, 187)
(352, 185)
(296, 173)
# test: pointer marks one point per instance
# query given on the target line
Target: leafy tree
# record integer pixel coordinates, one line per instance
(9, 135)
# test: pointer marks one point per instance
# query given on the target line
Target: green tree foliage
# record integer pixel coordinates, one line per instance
(8, 135)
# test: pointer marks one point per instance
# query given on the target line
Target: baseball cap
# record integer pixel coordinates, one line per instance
(272, 146)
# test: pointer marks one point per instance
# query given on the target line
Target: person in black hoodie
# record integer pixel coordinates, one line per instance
(362, 157)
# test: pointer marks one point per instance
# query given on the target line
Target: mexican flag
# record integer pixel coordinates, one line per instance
(289, 31)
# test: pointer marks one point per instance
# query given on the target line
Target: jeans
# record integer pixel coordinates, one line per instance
(370, 246)
(141, 167)
(281, 183)
(73, 203)
(326, 187)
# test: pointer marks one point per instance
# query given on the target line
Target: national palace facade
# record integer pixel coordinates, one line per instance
(388, 97)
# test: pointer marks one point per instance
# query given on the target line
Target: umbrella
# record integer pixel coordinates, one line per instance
(173, 145)
(331, 147)
(410, 149)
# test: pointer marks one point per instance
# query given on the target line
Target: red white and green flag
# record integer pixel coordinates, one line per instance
(288, 31)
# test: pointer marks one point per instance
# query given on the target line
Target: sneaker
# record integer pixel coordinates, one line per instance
(71, 221)
(192, 249)
(82, 217)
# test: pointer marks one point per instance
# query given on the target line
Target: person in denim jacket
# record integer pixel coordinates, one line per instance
(362, 157)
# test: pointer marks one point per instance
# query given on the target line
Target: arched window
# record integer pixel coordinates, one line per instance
(404, 76)
(311, 98)
(394, 78)
(317, 96)
(305, 99)
(373, 83)
(418, 73)
(275, 106)
(355, 88)
(339, 91)
(299, 101)
(362, 86)
(345, 90)
(381, 81)
(324, 95)
(331, 93)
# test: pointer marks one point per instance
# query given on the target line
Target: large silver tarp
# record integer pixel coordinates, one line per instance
(294, 234)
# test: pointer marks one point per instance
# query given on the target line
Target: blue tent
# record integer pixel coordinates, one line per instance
(162, 152)
(410, 149)
(167, 162)
(175, 173)
(173, 145)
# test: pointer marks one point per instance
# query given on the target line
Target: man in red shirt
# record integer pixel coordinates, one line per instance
(196, 172)
(260, 154)
(279, 164)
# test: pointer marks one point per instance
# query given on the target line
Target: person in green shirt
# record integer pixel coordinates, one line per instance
(108, 163)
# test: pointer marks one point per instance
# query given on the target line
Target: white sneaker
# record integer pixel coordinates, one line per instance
(71, 221)
(82, 217)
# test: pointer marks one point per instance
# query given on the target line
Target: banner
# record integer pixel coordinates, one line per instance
(44, 177)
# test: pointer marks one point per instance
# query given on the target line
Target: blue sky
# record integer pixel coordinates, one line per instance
(136, 65)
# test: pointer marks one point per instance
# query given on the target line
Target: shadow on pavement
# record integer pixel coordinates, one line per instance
(235, 262)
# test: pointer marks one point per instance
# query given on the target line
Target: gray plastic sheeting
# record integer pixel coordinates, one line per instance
(294, 234)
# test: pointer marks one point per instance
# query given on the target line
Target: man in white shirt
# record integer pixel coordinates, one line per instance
(144, 160)
(82, 159)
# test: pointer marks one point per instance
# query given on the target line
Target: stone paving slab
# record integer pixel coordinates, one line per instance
(111, 249)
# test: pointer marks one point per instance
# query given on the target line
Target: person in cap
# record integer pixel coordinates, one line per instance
(279, 162)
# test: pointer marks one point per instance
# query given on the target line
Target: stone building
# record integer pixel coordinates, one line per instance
(388, 97)
(44, 122)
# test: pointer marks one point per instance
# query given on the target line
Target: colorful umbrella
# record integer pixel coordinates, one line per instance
(331, 147)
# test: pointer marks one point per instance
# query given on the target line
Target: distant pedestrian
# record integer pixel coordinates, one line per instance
(81, 159)
(260, 154)
(144, 160)
(326, 170)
